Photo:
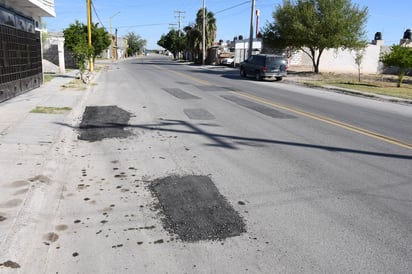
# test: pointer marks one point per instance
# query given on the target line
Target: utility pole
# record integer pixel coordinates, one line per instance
(204, 34)
(111, 37)
(115, 45)
(249, 53)
(89, 31)
(257, 22)
(179, 16)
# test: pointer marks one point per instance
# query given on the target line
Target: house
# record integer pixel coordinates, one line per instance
(20, 46)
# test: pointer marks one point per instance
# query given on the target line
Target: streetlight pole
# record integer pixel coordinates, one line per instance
(111, 35)
(204, 34)
(249, 53)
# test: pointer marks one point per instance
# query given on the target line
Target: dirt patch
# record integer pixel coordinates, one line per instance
(10, 264)
(51, 237)
(40, 178)
(61, 227)
(100, 122)
(193, 208)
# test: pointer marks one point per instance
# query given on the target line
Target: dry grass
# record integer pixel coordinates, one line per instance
(75, 84)
(374, 84)
(48, 77)
(50, 110)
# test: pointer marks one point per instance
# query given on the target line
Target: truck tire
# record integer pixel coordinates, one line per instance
(257, 76)
(242, 72)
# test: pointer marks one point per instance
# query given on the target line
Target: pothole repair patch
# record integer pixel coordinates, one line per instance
(100, 122)
(194, 210)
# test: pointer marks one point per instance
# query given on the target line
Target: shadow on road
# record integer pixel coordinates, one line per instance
(233, 141)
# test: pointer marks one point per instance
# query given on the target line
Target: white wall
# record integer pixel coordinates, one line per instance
(333, 60)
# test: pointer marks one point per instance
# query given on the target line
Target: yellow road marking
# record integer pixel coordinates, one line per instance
(328, 120)
(203, 82)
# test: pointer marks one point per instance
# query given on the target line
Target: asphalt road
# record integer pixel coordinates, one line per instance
(184, 169)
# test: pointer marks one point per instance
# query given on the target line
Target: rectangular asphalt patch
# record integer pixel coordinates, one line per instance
(194, 210)
(100, 122)
(198, 114)
(178, 93)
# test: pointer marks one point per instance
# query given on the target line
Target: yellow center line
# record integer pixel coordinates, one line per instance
(203, 82)
(328, 120)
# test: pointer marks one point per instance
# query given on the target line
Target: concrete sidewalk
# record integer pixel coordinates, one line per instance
(50, 94)
(28, 145)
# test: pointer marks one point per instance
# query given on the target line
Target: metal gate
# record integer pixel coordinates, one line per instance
(20, 55)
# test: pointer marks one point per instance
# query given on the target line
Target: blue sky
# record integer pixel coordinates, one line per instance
(152, 18)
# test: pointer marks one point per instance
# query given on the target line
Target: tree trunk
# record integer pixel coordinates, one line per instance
(318, 60)
(316, 68)
(400, 77)
(315, 59)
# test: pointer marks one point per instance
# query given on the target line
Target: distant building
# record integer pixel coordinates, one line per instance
(242, 46)
(20, 45)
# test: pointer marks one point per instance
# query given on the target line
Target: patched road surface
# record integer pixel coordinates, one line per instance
(164, 167)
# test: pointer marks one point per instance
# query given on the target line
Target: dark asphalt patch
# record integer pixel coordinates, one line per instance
(100, 122)
(259, 108)
(178, 93)
(198, 114)
(193, 209)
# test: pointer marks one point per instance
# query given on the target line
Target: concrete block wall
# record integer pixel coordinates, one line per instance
(343, 61)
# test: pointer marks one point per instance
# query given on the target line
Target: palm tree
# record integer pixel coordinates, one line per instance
(210, 27)
(193, 41)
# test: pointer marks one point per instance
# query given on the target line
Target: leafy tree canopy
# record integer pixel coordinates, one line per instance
(76, 40)
(174, 42)
(316, 25)
(194, 33)
(135, 42)
(399, 56)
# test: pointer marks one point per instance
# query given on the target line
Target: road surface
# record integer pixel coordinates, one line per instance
(172, 168)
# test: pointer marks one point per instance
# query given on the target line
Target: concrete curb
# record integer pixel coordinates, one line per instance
(369, 95)
(375, 96)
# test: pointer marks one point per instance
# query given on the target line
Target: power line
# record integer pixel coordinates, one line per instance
(179, 16)
(143, 25)
(232, 7)
(98, 18)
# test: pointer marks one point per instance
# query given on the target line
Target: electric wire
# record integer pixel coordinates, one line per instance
(232, 7)
(143, 25)
(97, 15)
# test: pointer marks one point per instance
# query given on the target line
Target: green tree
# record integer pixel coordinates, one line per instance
(174, 42)
(315, 25)
(193, 41)
(76, 40)
(210, 26)
(194, 34)
(135, 43)
(359, 54)
(400, 56)
(100, 40)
